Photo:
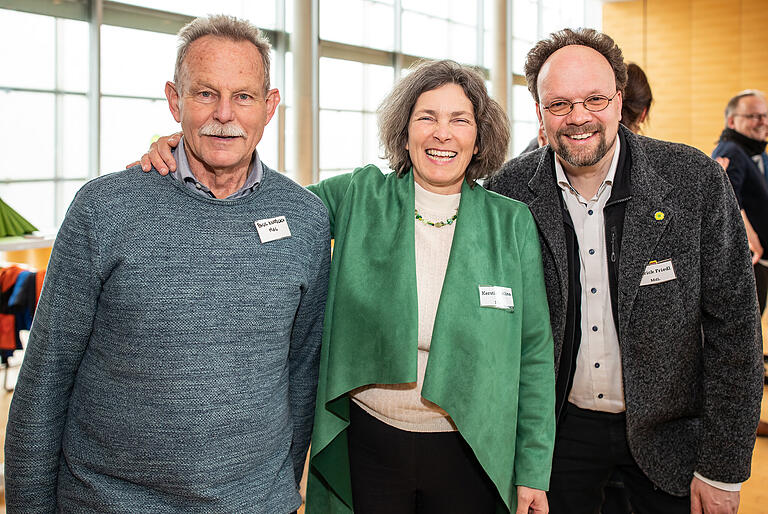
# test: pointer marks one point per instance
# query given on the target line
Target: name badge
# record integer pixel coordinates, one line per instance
(658, 272)
(272, 229)
(497, 297)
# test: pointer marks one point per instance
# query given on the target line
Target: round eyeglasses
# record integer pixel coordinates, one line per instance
(759, 116)
(594, 103)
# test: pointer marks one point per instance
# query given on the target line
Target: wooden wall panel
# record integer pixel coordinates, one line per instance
(754, 45)
(668, 66)
(697, 54)
(714, 68)
(626, 20)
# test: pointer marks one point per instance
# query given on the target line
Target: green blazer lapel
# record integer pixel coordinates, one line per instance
(646, 217)
(374, 323)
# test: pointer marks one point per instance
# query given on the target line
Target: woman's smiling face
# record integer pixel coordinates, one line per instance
(442, 137)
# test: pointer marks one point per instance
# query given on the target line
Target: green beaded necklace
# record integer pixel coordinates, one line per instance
(436, 224)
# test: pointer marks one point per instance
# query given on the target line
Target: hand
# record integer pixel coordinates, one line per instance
(706, 499)
(531, 501)
(159, 155)
(752, 239)
(723, 161)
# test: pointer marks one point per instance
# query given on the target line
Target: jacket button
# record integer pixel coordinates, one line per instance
(591, 251)
(597, 364)
(593, 290)
(594, 328)
(600, 395)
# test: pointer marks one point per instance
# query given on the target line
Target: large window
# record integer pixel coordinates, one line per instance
(50, 144)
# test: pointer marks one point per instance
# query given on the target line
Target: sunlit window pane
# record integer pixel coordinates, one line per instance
(74, 136)
(525, 107)
(520, 50)
(358, 22)
(524, 133)
(524, 19)
(128, 127)
(27, 133)
(267, 147)
(65, 193)
(33, 200)
(340, 143)
(136, 62)
(372, 151)
(363, 87)
(28, 50)
(73, 54)
(290, 157)
(259, 12)
(438, 39)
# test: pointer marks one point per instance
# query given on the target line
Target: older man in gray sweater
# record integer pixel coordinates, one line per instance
(651, 294)
(172, 363)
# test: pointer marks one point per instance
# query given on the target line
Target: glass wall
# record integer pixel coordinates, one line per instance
(47, 137)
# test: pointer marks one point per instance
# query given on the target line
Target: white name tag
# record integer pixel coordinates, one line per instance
(497, 297)
(658, 272)
(272, 229)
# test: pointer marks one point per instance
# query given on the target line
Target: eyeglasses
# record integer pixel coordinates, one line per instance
(594, 103)
(756, 116)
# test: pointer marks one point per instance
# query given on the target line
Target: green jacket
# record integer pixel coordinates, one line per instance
(492, 370)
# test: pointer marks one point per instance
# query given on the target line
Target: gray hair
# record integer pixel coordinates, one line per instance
(227, 27)
(492, 124)
(590, 38)
(733, 103)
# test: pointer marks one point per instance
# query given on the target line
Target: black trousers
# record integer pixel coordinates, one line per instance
(399, 472)
(589, 446)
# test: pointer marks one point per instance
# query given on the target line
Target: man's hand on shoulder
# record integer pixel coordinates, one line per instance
(706, 499)
(159, 155)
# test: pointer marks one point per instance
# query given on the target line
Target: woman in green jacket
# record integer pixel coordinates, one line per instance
(436, 389)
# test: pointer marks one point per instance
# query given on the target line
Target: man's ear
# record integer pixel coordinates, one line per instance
(729, 121)
(272, 100)
(173, 100)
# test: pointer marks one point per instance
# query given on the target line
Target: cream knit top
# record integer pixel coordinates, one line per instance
(401, 405)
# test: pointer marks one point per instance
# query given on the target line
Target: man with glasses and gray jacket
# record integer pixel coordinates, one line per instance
(651, 295)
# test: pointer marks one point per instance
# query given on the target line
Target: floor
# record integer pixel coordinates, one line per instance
(754, 493)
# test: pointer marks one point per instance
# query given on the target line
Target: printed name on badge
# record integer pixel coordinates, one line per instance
(658, 272)
(272, 229)
(497, 297)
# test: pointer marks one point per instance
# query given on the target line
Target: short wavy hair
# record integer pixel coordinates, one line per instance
(591, 38)
(223, 26)
(733, 103)
(491, 121)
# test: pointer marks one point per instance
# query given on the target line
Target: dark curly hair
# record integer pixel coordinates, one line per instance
(591, 38)
(492, 124)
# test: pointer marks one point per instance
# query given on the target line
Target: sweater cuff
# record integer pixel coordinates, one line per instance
(719, 485)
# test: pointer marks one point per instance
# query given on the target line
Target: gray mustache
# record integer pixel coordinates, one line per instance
(213, 128)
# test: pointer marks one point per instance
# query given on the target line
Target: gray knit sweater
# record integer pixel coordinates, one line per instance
(172, 364)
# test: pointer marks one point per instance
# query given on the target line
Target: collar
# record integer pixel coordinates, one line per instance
(433, 201)
(751, 146)
(184, 174)
(565, 185)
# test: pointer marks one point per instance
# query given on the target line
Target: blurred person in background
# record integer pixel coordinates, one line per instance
(742, 145)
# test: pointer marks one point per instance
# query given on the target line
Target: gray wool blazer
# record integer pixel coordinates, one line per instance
(690, 347)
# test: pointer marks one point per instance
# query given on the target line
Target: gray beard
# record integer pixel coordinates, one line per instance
(582, 159)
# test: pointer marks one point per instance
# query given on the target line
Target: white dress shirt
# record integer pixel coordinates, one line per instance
(597, 382)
